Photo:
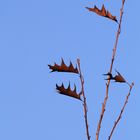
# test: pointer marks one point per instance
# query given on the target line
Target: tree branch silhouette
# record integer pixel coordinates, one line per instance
(122, 110)
(111, 67)
(84, 100)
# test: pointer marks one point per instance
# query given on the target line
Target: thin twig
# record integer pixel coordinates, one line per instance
(111, 66)
(84, 100)
(122, 110)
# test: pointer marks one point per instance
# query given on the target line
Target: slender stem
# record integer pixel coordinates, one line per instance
(84, 100)
(122, 110)
(111, 66)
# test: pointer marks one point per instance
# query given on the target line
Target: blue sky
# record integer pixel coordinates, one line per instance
(34, 34)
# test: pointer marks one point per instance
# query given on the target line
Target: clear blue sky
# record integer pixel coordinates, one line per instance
(36, 33)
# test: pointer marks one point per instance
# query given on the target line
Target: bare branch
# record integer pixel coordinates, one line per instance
(84, 100)
(111, 66)
(122, 110)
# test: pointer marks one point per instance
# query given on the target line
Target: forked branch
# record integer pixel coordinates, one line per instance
(111, 66)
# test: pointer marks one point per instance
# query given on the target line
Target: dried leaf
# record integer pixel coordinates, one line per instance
(110, 16)
(63, 67)
(117, 78)
(103, 12)
(68, 91)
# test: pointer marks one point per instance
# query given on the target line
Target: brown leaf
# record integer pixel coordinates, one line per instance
(110, 16)
(63, 67)
(68, 91)
(103, 12)
(117, 78)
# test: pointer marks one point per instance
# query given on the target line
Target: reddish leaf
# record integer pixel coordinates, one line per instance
(103, 12)
(117, 78)
(68, 91)
(63, 67)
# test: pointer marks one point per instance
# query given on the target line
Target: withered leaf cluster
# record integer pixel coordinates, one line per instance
(68, 91)
(70, 69)
(63, 67)
(103, 12)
